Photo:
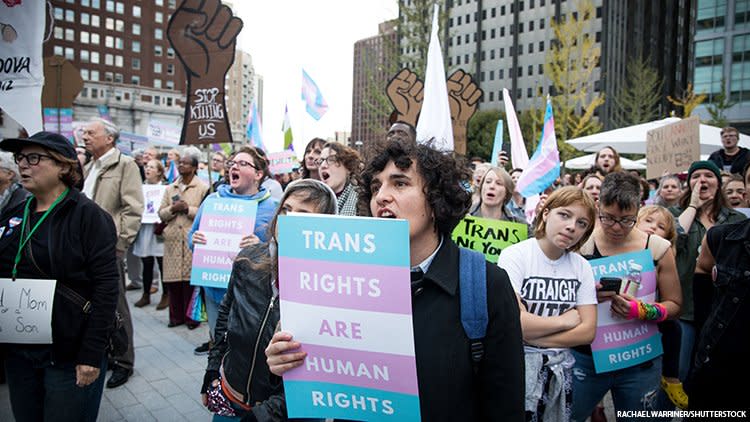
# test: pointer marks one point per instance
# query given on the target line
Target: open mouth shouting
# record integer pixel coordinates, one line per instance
(324, 175)
(385, 213)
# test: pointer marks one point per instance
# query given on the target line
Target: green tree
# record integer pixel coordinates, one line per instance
(481, 133)
(638, 101)
(569, 65)
(531, 121)
(688, 100)
(720, 103)
(380, 65)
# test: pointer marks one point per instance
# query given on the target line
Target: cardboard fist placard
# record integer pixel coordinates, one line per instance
(203, 34)
(405, 91)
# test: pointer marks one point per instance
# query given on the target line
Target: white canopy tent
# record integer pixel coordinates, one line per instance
(632, 139)
(587, 161)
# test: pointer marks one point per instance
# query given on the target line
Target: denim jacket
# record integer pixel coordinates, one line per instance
(730, 246)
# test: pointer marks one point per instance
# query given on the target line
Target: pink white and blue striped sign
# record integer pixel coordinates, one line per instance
(621, 343)
(345, 296)
(224, 222)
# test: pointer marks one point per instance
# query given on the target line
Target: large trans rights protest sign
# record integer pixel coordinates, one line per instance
(488, 236)
(621, 343)
(224, 221)
(345, 294)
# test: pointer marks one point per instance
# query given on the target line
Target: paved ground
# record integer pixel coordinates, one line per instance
(167, 377)
(166, 383)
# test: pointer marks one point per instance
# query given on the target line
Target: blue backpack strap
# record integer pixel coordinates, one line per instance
(473, 292)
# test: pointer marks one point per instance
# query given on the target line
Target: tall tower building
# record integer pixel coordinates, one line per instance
(240, 89)
(722, 54)
(125, 59)
(375, 60)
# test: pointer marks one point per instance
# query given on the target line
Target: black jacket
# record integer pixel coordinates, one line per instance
(81, 243)
(448, 388)
(738, 164)
(247, 319)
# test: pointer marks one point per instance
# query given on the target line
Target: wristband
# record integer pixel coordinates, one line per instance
(693, 206)
(650, 311)
(633, 309)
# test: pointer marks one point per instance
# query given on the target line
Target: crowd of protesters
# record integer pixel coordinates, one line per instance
(80, 211)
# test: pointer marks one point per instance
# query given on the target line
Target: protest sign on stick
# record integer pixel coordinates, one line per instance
(345, 294)
(672, 148)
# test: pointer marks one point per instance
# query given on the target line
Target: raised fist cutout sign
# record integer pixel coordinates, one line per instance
(203, 34)
(406, 93)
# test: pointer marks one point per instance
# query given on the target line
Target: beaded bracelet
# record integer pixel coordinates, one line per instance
(647, 311)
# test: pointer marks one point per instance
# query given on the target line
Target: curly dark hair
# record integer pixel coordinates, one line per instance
(446, 180)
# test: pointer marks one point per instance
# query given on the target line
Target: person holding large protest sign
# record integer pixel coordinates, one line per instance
(246, 170)
(309, 159)
(554, 322)
(495, 193)
(59, 234)
(417, 183)
(624, 357)
(178, 209)
(148, 246)
(237, 382)
(339, 167)
(701, 207)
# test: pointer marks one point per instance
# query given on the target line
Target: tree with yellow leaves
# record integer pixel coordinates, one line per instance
(688, 101)
(570, 65)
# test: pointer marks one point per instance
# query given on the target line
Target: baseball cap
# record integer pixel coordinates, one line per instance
(47, 140)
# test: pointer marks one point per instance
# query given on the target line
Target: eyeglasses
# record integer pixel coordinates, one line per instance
(241, 163)
(625, 222)
(331, 160)
(31, 158)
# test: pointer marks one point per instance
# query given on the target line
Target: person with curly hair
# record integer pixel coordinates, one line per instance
(430, 190)
(338, 167)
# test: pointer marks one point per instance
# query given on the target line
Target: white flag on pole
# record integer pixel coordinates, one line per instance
(519, 157)
(435, 117)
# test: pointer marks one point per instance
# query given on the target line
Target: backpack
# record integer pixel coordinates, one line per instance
(473, 293)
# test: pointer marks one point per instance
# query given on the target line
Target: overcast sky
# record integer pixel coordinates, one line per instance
(285, 36)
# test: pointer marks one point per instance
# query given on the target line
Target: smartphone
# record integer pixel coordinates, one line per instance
(610, 284)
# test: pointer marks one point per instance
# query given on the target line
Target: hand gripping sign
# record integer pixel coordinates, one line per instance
(204, 33)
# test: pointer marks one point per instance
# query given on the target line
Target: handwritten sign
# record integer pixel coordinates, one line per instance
(152, 195)
(346, 296)
(621, 343)
(224, 221)
(673, 147)
(26, 310)
(488, 236)
(282, 162)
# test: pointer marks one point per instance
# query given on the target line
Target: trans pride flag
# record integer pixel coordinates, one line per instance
(254, 129)
(544, 166)
(314, 102)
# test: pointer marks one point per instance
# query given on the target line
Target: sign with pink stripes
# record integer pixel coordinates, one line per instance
(345, 294)
(224, 222)
(621, 343)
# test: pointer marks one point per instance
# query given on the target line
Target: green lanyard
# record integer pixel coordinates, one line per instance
(25, 239)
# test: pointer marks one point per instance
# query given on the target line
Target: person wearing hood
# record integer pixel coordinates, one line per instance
(246, 170)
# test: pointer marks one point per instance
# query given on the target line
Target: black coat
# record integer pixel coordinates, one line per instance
(247, 319)
(81, 243)
(448, 389)
(738, 164)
